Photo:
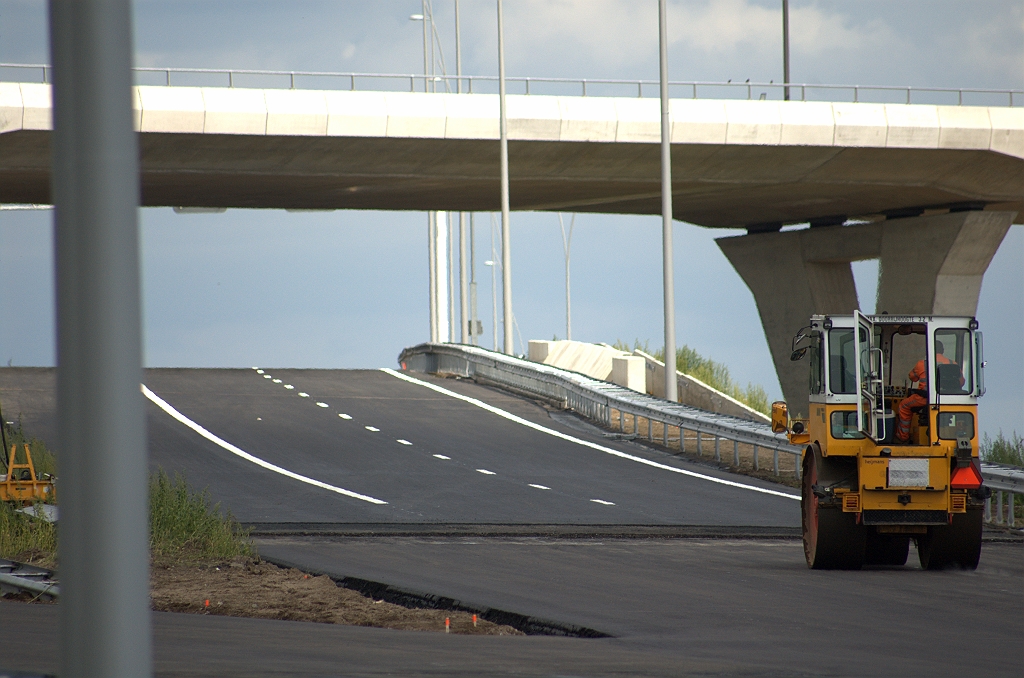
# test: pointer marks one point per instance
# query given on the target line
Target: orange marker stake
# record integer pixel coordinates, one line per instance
(474, 621)
(207, 603)
(447, 624)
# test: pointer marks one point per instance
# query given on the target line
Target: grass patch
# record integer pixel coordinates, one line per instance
(185, 526)
(26, 539)
(714, 374)
(1003, 450)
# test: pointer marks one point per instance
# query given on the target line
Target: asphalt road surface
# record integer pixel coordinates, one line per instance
(710, 607)
(432, 457)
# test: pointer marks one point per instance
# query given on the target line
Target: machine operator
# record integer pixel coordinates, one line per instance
(918, 396)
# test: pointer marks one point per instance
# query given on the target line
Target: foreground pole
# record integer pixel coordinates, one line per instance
(104, 526)
(666, 212)
(506, 255)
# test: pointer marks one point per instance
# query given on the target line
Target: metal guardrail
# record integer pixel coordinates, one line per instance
(15, 576)
(1005, 482)
(595, 399)
(693, 88)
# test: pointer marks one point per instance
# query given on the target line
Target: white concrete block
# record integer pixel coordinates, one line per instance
(860, 125)
(807, 123)
(696, 121)
(38, 103)
(136, 110)
(587, 119)
(471, 116)
(234, 110)
(1007, 130)
(172, 109)
(296, 112)
(539, 350)
(11, 108)
(533, 117)
(639, 120)
(912, 126)
(964, 127)
(415, 115)
(753, 122)
(356, 114)
(630, 371)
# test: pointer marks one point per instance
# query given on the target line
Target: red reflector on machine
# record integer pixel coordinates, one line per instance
(965, 478)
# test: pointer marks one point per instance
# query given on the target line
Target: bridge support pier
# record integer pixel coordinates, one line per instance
(929, 265)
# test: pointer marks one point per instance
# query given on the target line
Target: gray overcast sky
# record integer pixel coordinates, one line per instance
(347, 289)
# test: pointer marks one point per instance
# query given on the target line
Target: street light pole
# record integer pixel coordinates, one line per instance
(101, 426)
(785, 49)
(467, 329)
(666, 211)
(506, 254)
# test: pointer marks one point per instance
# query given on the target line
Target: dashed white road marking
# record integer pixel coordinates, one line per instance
(602, 501)
(276, 381)
(166, 407)
(258, 371)
(607, 450)
(303, 395)
(441, 456)
(267, 376)
(371, 428)
(486, 472)
(404, 442)
(289, 387)
(322, 405)
(540, 487)
(345, 416)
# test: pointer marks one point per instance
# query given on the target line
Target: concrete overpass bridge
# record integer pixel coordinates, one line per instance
(895, 174)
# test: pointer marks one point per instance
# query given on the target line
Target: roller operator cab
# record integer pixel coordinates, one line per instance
(891, 440)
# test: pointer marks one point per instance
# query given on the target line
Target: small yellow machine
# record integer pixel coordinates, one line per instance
(891, 441)
(21, 483)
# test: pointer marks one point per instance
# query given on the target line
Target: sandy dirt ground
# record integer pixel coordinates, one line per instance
(247, 588)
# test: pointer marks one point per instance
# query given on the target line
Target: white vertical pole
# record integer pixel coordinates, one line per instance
(666, 212)
(506, 254)
(432, 273)
(104, 526)
(441, 270)
(785, 48)
(464, 319)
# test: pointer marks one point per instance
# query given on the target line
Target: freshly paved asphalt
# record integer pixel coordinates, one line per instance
(673, 606)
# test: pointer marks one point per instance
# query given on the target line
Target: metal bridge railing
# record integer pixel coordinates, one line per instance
(597, 400)
(693, 89)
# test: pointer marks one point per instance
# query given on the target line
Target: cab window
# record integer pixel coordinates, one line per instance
(842, 375)
(953, 362)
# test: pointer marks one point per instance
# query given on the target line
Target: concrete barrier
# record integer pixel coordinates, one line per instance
(696, 393)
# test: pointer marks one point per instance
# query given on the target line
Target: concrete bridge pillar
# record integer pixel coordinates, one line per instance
(928, 265)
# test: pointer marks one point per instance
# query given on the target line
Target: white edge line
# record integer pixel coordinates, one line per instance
(166, 407)
(585, 443)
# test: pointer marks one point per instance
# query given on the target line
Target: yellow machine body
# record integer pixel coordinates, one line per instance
(21, 484)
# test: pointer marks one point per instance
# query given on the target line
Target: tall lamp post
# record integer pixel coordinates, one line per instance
(467, 328)
(432, 304)
(785, 49)
(506, 254)
(666, 211)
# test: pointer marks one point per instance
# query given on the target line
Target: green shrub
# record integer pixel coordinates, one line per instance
(185, 526)
(1003, 450)
(714, 374)
(25, 538)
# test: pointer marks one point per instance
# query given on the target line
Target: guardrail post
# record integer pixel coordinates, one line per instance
(757, 467)
(650, 430)
(718, 456)
(999, 507)
(735, 453)
(988, 509)
(699, 451)
(1010, 518)
(775, 461)
(622, 423)
(796, 466)
(664, 434)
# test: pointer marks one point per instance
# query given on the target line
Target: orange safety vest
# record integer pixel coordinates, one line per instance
(920, 371)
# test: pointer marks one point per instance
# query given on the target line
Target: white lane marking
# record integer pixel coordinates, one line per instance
(276, 381)
(289, 387)
(537, 427)
(371, 428)
(602, 501)
(540, 487)
(303, 395)
(259, 418)
(486, 472)
(267, 376)
(322, 405)
(404, 442)
(345, 416)
(166, 407)
(258, 371)
(441, 456)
